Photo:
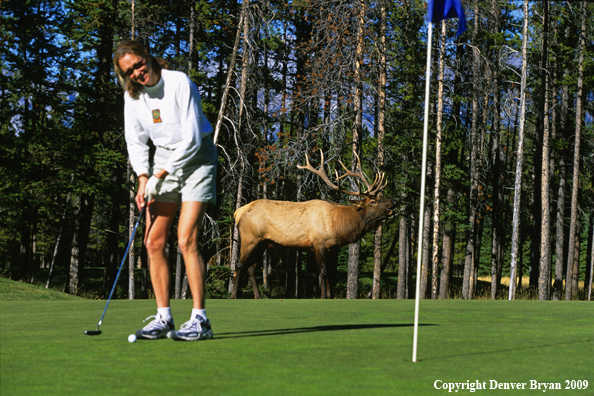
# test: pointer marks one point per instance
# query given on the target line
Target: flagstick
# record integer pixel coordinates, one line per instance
(422, 209)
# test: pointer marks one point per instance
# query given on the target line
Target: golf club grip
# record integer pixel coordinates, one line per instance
(123, 260)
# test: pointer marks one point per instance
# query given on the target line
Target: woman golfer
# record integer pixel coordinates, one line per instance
(165, 107)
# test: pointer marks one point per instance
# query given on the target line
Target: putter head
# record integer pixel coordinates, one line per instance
(94, 332)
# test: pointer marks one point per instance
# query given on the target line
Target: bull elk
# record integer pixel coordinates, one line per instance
(316, 225)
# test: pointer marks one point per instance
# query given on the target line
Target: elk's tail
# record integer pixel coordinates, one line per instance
(239, 212)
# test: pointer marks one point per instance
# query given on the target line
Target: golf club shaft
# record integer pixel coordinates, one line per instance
(122, 264)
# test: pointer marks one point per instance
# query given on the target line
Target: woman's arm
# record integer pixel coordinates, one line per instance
(193, 124)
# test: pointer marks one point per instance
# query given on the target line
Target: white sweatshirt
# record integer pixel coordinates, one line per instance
(170, 114)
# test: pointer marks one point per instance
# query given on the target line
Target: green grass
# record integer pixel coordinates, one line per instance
(295, 347)
(18, 291)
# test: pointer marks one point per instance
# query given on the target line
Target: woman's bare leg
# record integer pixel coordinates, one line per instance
(190, 220)
(159, 220)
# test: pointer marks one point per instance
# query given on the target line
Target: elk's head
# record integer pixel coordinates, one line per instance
(372, 198)
(377, 206)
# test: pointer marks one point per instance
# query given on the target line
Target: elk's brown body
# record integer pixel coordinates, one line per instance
(315, 225)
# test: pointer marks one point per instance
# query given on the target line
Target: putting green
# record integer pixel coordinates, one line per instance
(299, 347)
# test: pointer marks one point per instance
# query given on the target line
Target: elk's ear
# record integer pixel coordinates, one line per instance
(380, 194)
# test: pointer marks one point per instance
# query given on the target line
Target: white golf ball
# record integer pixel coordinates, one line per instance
(132, 338)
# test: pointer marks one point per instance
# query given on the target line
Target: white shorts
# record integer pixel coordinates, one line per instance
(195, 182)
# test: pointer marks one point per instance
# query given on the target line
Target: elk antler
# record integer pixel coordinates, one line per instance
(378, 184)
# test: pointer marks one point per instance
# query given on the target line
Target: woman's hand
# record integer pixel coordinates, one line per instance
(152, 188)
(148, 188)
(142, 180)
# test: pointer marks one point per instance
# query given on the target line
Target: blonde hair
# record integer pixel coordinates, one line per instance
(135, 48)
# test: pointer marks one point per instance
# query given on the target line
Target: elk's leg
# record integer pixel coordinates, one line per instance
(252, 273)
(331, 264)
(328, 290)
(321, 261)
(239, 277)
(239, 271)
(237, 280)
(248, 256)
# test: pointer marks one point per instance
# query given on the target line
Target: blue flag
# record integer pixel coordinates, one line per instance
(447, 9)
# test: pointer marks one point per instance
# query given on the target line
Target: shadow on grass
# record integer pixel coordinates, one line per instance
(312, 329)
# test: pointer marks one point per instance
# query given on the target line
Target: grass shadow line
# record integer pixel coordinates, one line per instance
(296, 330)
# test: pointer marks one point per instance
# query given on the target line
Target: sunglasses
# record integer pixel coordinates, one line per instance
(128, 73)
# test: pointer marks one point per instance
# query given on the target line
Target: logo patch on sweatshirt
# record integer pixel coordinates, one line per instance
(157, 116)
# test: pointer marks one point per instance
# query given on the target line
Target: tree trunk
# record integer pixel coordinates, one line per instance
(245, 64)
(179, 273)
(191, 49)
(132, 19)
(449, 237)
(381, 132)
(24, 255)
(235, 234)
(111, 255)
(570, 291)
(454, 157)
(471, 234)
(355, 248)
(402, 257)
(353, 271)
(437, 180)
(519, 162)
(244, 23)
(82, 225)
(296, 277)
(590, 272)
(56, 247)
(410, 267)
(553, 92)
(544, 281)
(377, 263)
(426, 246)
(576, 258)
(266, 262)
(131, 221)
(130, 177)
(242, 17)
(33, 264)
(560, 240)
(496, 179)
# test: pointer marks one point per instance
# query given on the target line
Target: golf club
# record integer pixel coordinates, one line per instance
(97, 332)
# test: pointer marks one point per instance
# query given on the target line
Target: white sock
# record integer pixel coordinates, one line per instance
(165, 313)
(201, 312)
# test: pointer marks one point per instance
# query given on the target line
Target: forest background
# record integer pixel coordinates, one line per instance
(510, 161)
